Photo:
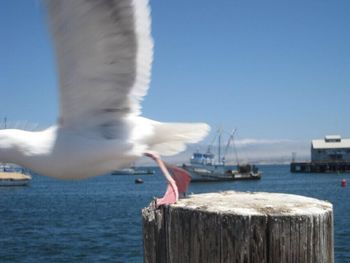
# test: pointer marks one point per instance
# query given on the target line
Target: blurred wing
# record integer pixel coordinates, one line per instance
(104, 51)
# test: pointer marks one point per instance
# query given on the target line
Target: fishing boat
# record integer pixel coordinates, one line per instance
(204, 167)
(13, 176)
(133, 171)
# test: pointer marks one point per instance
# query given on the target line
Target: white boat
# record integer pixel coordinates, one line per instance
(203, 166)
(133, 171)
(13, 176)
(201, 172)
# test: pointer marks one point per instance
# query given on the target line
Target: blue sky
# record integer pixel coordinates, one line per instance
(273, 69)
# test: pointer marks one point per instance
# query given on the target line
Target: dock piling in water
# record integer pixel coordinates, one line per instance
(239, 227)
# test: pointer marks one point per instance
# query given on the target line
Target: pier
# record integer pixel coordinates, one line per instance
(320, 167)
(328, 155)
(239, 227)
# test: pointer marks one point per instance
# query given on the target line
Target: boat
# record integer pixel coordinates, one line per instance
(203, 167)
(133, 171)
(13, 176)
(138, 181)
(222, 173)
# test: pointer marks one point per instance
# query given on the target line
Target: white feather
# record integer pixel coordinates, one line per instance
(104, 51)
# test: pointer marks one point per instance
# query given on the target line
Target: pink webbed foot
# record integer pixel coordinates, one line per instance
(182, 178)
(178, 180)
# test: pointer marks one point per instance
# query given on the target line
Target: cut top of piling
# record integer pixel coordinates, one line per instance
(251, 203)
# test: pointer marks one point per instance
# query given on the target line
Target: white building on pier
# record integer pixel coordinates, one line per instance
(330, 149)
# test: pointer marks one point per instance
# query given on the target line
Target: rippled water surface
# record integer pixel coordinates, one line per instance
(99, 220)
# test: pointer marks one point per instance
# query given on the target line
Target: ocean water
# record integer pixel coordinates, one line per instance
(99, 220)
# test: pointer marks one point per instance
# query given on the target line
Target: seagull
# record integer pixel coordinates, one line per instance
(104, 54)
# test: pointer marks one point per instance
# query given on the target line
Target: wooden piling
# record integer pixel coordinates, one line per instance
(239, 227)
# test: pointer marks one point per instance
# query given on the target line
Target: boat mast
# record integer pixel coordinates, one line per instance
(234, 146)
(219, 148)
(231, 139)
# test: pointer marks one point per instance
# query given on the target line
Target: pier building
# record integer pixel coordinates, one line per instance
(331, 154)
(330, 149)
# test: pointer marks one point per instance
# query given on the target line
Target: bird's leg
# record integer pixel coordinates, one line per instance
(172, 194)
(177, 183)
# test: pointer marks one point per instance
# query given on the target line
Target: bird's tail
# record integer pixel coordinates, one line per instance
(171, 138)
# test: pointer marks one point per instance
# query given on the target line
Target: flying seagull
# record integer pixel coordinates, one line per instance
(104, 52)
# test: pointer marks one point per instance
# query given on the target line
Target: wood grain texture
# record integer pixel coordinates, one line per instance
(239, 227)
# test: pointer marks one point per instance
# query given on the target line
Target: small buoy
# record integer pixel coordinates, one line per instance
(343, 183)
(138, 181)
